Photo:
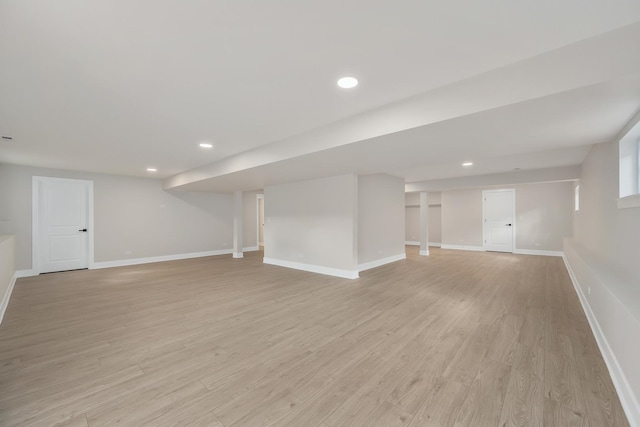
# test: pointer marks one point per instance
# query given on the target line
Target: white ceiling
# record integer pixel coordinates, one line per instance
(116, 87)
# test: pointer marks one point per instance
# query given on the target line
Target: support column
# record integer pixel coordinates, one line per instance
(238, 217)
(424, 224)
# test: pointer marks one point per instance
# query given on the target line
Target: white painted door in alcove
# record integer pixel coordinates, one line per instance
(498, 211)
(61, 224)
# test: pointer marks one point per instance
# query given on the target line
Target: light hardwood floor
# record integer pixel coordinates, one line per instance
(454, 339)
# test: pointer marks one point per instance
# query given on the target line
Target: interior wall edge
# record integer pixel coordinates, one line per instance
(619, 362)
(7, 270)
(7, 296)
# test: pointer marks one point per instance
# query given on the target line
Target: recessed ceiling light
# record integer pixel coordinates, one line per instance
(206, 145)
(348, 82)
(152, 170)
(467, 164)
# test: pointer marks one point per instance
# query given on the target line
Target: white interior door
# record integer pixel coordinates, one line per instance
(499, 220)
(61, 224)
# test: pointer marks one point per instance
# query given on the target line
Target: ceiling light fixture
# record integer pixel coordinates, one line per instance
(206, 145)
(467, 164)
(152, 170)
(348, 82)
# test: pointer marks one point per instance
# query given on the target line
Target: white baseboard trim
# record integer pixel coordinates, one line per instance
(251, 249)
(537, 252)
(416, 243)
(25, 273)
(238, 255)
(463, 247)
(424, 252)
(19, 274)
(382, 261)
(7, 295)
(136, 261)
(337, 272)
(625, 392)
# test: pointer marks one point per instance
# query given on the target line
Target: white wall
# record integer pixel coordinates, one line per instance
(435, 224)
(604, 260)
(412, 224)
(261, 222)
(312, 225)
(462, 217)
(610, 233)
(250, 224)
(412, 199)
(130, 215)
(7, 270)
(543, 216)
(381, 214)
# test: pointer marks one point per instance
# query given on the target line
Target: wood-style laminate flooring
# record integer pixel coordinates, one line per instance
(454, 339)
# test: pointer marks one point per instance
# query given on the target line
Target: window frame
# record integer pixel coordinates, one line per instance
(629, 164)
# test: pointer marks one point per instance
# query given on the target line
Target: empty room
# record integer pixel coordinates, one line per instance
(412, 213)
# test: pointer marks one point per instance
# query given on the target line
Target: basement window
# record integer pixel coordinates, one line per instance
(629, 166)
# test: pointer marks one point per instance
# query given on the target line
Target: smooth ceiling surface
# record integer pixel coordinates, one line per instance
(116, 87)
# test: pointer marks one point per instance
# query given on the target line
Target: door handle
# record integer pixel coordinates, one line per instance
(508, 225)
(84, 230)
